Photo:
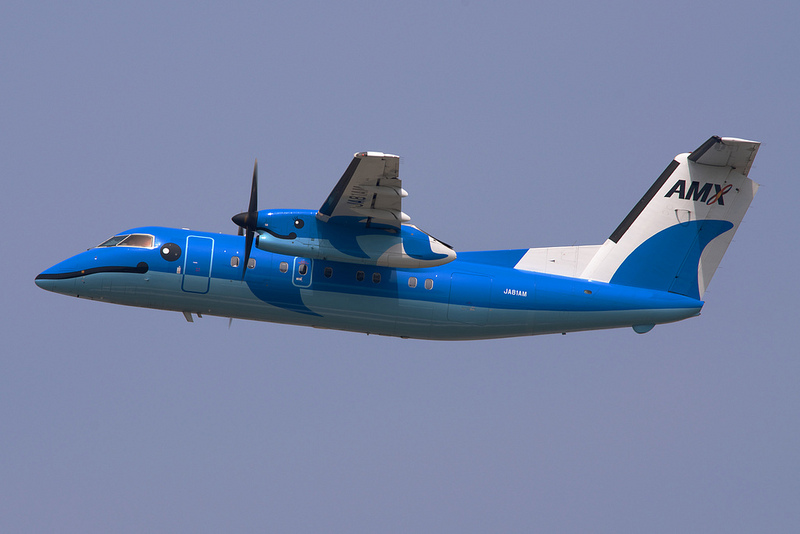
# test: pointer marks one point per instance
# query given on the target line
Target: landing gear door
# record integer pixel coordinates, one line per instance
(301, 275)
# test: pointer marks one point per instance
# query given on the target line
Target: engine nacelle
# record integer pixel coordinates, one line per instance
(300, 233)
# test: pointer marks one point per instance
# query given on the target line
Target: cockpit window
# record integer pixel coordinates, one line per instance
(130, 240)
(113, 242)
(138, 240)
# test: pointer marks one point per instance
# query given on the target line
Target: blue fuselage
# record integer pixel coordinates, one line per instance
(479, 295)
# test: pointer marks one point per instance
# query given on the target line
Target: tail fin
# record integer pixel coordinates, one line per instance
(675, 237)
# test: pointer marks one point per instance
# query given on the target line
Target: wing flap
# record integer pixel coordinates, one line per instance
(369, 190)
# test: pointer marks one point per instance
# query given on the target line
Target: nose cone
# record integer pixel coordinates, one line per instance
(62, 277)
(240, 219)
(57, 280)
(65, 286)
(86, 274)
(41, 281)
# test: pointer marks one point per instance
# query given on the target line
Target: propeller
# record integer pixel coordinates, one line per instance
(246, 221)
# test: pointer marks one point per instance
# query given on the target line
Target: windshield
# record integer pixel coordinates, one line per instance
(129, 240)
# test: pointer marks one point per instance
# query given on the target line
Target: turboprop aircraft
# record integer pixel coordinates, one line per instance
(356, 264)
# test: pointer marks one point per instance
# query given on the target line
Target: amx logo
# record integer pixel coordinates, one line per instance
(697, 193)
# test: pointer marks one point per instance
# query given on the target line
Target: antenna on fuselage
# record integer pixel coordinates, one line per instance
(246, 221)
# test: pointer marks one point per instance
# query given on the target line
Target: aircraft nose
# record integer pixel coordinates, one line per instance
(39, 281)
(50, 280)
(45, 278)
(60, 278)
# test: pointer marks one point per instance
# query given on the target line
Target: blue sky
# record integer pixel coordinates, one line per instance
(520, 124)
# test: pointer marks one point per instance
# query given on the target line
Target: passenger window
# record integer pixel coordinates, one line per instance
(251, 263)
(328, 272)
(283, 267)
(376, 278)
(302, 269)
(360, 276)
(428, 284)
(412, 282)
(235, 261)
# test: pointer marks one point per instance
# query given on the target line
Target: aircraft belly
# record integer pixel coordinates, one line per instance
(402, 317)
(550, 322)
(411, 318)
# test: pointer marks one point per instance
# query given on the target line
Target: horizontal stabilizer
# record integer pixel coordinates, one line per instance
(730, 152)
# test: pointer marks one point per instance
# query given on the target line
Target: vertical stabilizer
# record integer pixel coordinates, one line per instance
(676, 235)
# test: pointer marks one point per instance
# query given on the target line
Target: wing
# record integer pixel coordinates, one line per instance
(369, 193)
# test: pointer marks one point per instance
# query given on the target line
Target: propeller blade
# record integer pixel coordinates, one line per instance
(254, 190)
(247, 221)
(247, 245)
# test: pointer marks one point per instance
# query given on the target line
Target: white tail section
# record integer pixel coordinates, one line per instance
(675, 237)
(563, 261)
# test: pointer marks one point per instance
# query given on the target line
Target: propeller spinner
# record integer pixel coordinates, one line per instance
(247, 220)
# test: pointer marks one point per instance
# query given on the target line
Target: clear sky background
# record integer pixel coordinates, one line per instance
(519, 124)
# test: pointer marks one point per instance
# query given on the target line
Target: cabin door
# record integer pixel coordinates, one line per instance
(197, 264)
(301, 276)
(469, 298)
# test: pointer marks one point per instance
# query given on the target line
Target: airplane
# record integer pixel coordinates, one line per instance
(358, 265)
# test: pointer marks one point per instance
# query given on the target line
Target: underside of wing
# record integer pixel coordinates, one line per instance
(368, 193)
